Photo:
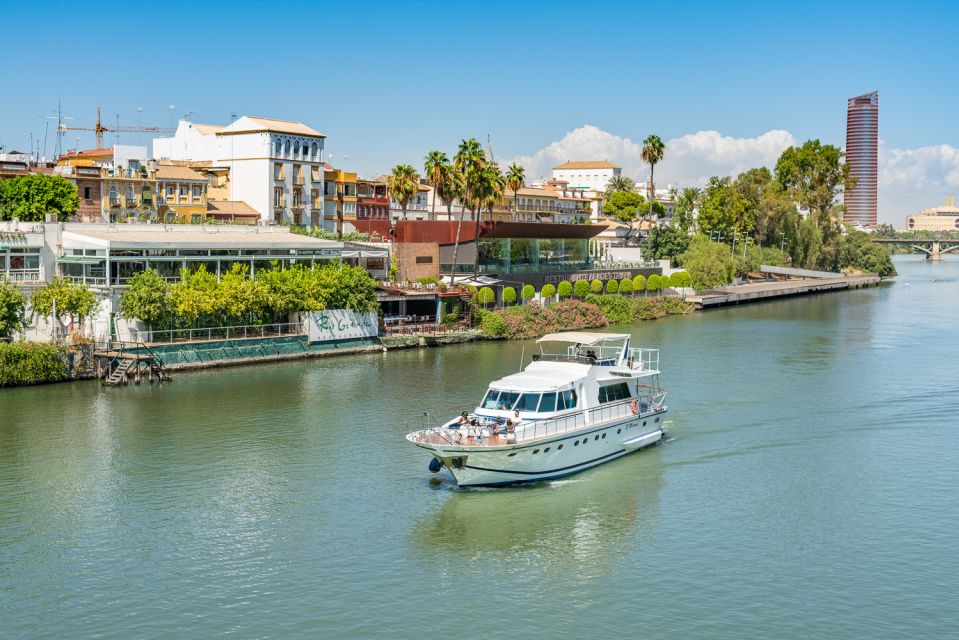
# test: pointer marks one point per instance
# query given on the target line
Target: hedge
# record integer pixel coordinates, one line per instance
(23, 363)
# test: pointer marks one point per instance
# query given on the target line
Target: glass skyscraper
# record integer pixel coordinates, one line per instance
(862, 155)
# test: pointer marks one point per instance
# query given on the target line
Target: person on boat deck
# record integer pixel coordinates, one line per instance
(591, 355)
(516, 417)
(464, 418)
(510, 431)
(576, 350)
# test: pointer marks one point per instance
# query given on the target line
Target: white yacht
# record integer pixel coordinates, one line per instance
(585, 399)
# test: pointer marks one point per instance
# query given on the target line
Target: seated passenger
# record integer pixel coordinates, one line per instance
(464, 418)
(591, 355)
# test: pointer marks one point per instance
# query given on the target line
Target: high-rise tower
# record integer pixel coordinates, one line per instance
(862, 155)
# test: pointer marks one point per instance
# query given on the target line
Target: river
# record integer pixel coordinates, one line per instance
(809, 487)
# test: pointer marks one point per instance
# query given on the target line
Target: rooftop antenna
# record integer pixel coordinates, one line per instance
(139, 125)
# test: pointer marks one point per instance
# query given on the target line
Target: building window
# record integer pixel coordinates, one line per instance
(169, 191)
(314, 151)
(183, 192)
(315, 198)
(114, 195)
(277, 147)
(297, 198)
(317, 176)
(278, 197)
(196, 192)
(424, 259)
(130, 196)
(278, 171)
(297, 174)
(286, 148)
(87, 193)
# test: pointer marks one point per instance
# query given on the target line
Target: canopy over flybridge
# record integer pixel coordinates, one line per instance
(585, 338)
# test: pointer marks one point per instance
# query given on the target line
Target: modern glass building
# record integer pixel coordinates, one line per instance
(862, 155)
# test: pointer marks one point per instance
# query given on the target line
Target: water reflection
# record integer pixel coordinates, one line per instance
(584, 522)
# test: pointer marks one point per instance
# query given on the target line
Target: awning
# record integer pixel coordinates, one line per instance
(365, 253)
(80, 259)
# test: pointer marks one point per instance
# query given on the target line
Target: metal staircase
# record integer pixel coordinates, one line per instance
(133, 359)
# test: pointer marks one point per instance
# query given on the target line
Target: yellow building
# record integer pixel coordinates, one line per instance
(340, 194)
(181, 193)
(945, 218)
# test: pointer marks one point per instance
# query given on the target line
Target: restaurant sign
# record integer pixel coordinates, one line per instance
(556, 278)
(340, 324)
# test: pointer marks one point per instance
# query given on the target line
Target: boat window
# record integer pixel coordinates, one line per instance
(527, 402)
(613, 392)
(506, 400)
(566, 400)
(489, 402)
(548, 403)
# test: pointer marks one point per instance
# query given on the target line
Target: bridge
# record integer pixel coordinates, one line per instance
(933, 247)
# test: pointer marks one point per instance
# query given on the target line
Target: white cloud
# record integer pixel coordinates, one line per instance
(909, 179)
(690, 160)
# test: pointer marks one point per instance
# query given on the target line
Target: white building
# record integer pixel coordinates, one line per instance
(276, 166)
(591, 177)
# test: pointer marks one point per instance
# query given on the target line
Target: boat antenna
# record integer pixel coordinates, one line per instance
(522, 358)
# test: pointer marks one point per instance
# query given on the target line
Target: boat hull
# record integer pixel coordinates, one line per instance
(549, 458)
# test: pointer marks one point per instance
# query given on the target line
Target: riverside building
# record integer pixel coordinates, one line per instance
(944, 218)
(275, 166)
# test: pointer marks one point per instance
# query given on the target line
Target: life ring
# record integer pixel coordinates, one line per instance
(634, 406)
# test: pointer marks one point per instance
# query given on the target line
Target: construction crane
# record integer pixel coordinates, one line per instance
(100, 129)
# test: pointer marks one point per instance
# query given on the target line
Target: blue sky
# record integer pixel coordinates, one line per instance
(387, 82)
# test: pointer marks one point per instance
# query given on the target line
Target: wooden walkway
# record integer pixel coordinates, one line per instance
(758, 291)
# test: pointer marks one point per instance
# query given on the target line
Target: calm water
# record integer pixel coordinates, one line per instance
(809, 488)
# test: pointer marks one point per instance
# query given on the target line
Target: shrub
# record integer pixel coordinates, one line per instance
(615, 307)
(13, 307)
(639, 282)
(548, 291)
(31, 363)
(680, 279)
(427, 280)
(485, 296)
(565, 289)
(612, 286)
(492, 325)
(647, 309)
(450, 319)
(708, 263)
(528, 292)
(509, 295)
(626, 285)
(572, 315)
(596, 286)
(654, 283)
(580, 289)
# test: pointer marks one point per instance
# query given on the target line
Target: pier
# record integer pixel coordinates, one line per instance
(805, 283)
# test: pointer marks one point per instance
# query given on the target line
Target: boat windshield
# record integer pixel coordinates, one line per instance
(531, 402)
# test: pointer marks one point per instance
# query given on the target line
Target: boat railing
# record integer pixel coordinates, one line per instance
(636, 359)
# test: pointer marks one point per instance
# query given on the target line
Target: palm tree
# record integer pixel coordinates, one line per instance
(467, 167)
(653, 152)
(489, 192)
(686, 203)
(618, 184)
(432, 169)
(515, 179)
(403, 185)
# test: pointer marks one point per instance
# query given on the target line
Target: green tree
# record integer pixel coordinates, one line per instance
(485, 296)
(548, 292)
(581, 288)
(666, 243)
(680, 280)
(194, 296)
(469, 164)
(639, 283)
(528, 292)
(64, 298)
(708, 263)
(623, 205)
(434, 166)
(626, 285)
(147, 298)
(565, 289)
(403, 185)
(515, 179)
(814, 175)
(13, 306)
(724, 209)
(612, 286)
(596, 286)
(30, 198)
(509, 295)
